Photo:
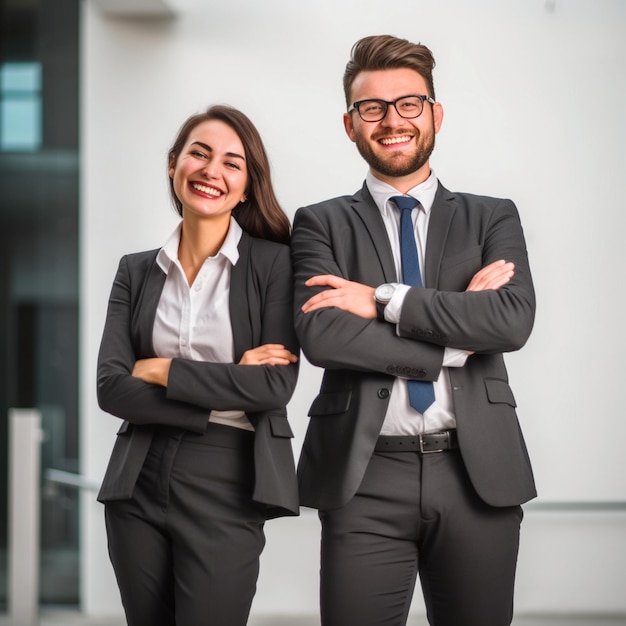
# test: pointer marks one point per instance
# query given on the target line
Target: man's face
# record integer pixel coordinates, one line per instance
(396, 149)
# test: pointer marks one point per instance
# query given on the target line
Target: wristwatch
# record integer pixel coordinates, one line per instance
(382, 295)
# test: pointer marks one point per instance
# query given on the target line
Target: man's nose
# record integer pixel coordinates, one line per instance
(392, 117)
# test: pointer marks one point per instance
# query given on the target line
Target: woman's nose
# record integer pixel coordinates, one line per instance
(209, 169)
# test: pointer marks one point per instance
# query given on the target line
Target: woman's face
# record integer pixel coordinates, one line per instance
(210, 175)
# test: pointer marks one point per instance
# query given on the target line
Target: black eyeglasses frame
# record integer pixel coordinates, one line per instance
(355, 106)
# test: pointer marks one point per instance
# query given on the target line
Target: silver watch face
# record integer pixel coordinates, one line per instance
(384, 292)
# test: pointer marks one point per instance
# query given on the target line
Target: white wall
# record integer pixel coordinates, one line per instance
(533, 93)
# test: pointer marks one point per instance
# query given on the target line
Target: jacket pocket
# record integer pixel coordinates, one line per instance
(330, 403)
(280, 426)
(499, 391)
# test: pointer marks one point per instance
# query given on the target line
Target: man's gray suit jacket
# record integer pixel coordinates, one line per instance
(346, 237)
(261, 304)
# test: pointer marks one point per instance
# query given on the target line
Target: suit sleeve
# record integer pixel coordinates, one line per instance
(229, 386)
(120, 393)
(335, 339)
(490, 321)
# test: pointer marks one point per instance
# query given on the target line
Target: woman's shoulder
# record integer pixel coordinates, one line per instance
(264, 247)
(142, 257)
(265, 258)
(138, 262)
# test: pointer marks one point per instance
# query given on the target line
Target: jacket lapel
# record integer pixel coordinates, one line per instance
(364, 205)
(441, 215)
(145, 309)
(242, 299)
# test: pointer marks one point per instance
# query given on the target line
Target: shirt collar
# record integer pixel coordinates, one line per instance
(168, 254)
(382, 192)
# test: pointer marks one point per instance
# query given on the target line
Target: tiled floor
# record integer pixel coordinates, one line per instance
(520, 621)
(63, 618)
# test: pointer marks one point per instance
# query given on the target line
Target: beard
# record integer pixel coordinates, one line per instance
(397, 164)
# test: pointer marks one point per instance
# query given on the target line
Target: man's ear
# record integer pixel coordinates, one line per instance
(437, 115)
(347, 124)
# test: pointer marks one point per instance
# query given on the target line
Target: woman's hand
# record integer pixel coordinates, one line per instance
(154, 371)
(268, 354)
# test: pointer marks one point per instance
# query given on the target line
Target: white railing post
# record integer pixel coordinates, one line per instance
(24, 506)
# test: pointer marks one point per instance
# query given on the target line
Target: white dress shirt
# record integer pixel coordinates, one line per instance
(193, 321)
(401, 418)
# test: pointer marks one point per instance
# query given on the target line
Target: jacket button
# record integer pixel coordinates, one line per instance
(383, 393)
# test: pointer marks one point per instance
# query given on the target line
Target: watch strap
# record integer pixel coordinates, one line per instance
(380, 310)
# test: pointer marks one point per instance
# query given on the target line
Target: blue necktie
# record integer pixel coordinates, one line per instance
(421, 394)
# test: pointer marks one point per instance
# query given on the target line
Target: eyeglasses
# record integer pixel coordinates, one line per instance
(408, 107)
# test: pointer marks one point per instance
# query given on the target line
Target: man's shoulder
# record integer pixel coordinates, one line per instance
(333, 203)
(339, 205)
(468, 198)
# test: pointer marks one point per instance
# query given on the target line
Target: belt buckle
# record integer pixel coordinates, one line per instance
(422, 451)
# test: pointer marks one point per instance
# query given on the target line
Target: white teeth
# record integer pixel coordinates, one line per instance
(391, 140)
(208, 190)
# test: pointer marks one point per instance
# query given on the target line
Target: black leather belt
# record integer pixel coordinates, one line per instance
(426, 443)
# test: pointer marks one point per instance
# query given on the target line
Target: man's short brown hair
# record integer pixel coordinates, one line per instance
(385, 52)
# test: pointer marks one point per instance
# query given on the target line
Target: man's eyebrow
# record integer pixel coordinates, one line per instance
(233, 155)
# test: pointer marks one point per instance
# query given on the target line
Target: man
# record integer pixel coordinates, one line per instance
(413, 455)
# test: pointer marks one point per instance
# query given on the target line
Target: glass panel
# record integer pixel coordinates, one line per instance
(20, 106)
(39, 266)
(21, 124)
(22, 78)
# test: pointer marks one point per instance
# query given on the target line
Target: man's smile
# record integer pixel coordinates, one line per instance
(390, 141)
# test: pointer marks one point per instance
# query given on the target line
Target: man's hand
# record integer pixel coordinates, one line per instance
(154, 371)
(345, 294)
(492, 276)
(268, 354)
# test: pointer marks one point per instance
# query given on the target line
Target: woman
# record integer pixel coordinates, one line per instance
(199, 358)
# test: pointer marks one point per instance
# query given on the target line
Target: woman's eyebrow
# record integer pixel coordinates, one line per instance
(209, 149)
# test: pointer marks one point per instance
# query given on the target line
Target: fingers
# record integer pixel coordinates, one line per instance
(323, 298)
(268, 354)
(330, 297)
(152, 370)
(326, 280)
(492, 276)
(343, 294)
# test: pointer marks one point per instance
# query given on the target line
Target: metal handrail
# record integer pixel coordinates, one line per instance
(573, 506)
(79, 481)
(69, 479)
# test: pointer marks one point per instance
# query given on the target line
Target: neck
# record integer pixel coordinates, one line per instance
(403, 184)
(199, 240)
